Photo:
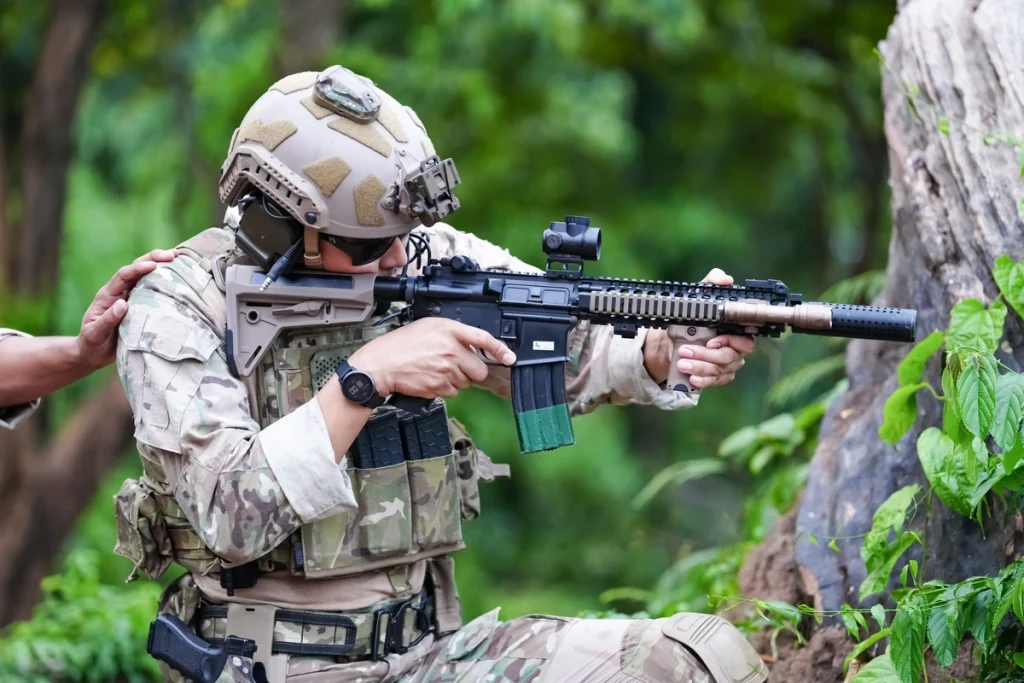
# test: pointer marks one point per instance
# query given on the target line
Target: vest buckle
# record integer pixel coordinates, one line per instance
(389, 624)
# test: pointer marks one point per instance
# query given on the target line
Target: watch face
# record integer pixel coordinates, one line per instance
(358, 387)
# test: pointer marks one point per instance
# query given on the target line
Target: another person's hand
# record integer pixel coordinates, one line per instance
(714, 364)
(97, 340)
(429, 358)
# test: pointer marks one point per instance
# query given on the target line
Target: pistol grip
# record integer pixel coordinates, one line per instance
(683, 335)
(173, 642)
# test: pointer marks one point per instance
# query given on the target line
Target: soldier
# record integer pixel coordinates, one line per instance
(31, 367)
(336, 569)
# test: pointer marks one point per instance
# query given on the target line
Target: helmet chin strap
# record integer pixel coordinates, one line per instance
(311, 255)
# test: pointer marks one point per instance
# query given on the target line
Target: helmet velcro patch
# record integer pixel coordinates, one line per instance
(368, 195)
(363, 133)
(314, 108)
(389, 120)
(328, 174)
(270, 135)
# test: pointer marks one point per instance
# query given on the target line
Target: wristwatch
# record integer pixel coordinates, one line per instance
(357, 386)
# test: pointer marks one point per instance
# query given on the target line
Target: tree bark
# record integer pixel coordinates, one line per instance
(955, 209)
(47, 140)
(309, 29)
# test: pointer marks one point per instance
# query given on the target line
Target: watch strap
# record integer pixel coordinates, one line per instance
(344, 369)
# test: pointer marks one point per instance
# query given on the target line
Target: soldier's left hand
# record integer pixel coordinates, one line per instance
(97, 340)
(716, 363)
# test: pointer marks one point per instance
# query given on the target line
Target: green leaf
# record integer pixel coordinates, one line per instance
(899, 413)
(864, 646)
(974, 327)
(889, 516)
(878, 576)
(981, 616)
(907, 644)
(1018, 659)
(1012, 458)
(912, 366)
(913, 569)
(951, 406)
(942, 638)
(813, 539)
(737, 442)
(762, 458)
(781, 427)
(878, 612)
(676, 474)
(833, 546)
(625, 593)
(846, 613)
(944, 125)
(1018, 600)
(976, 390)
(878, 670)
(1009, 276)
(1009, 409)
(944, 466)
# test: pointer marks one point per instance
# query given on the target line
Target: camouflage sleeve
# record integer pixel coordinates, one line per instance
(243, 490)
(12, 416)
(602, 367)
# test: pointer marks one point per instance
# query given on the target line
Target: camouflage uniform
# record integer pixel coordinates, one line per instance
(242, 471)
(12, 416)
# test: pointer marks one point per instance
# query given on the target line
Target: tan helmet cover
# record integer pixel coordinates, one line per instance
(332, 173)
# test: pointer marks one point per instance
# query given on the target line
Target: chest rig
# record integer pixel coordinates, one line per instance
(415, 476)
(405, 468)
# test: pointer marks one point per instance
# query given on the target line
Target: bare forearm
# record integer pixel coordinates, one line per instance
(31, 367)
(343, 418)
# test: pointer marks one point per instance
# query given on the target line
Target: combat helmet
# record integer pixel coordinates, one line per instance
(332, 154)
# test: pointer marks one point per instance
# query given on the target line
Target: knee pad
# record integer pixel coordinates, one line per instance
(719, 645)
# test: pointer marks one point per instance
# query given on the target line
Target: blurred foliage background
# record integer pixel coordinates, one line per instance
(741, 134)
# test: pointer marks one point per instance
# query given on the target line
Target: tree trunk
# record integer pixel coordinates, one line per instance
(309, 29)
(45, 485)
(955, 209)
(46, 138)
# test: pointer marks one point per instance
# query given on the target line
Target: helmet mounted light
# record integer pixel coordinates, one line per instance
(347, 93)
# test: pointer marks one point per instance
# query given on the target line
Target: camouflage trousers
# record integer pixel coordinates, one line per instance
(535, 649)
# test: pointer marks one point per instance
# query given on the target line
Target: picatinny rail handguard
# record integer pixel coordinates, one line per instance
(533, 314)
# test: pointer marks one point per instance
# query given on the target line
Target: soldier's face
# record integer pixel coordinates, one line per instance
(337, 261)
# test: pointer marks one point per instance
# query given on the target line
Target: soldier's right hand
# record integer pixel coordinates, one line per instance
(428, 358)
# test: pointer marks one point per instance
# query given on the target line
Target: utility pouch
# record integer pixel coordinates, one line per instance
(405, 479)
(141, 531)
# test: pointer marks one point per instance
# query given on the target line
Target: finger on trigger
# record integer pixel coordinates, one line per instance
(741, 343)
(472, 336)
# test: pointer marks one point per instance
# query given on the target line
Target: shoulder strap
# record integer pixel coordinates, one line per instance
(213, 249)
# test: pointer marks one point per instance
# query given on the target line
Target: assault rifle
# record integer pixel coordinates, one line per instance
(533, 314)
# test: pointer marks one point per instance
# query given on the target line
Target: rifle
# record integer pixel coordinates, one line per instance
(533, 314)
